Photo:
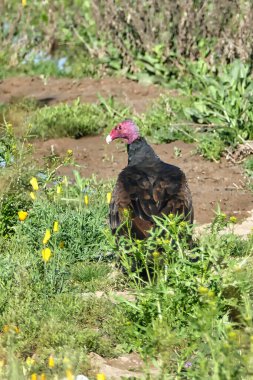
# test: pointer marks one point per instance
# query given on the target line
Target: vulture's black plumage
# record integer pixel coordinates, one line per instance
(147, 187)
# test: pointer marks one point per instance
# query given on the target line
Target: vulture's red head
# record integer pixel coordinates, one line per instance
(126, 130)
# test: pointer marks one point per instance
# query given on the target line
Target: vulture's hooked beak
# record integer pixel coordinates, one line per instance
(108, 139)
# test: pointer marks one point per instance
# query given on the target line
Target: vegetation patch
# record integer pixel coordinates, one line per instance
(192, 307)
(75, 120)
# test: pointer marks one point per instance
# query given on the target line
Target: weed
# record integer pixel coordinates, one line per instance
(248, 168)
(224, 101)
(210, 146)
(195, 308)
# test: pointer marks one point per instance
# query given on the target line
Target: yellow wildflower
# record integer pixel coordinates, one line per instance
(69, 374)
(30, 361)
(232, 335)
(171, 216)
(6, 328)
(32, 195)
(101, 376)
(58, 189)
(86, 200)
(46, 254)
(126, 212)
(34, 183)
(42, 376)
(156, 254)
(22, 215)
(69, 152)
(33, 376)
(16, 329)
(47, 236)
(61, 244)
(56, 226)
(23, 3)
(12, 328)
(233, 219)
(203, 290)
(51, 361)
(109, 197)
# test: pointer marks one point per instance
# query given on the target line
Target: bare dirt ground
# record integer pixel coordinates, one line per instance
(211, 183)
(52, 91)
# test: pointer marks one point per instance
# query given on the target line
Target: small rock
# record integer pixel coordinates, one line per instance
(81, 377)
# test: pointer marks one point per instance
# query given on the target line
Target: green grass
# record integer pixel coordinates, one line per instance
(192, 318)
(75, 120)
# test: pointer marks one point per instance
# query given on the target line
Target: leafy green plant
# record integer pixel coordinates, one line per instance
(224, 103)
(8, 146)
(198, 292)
(81, 225)
(248, 167)
(210, 146)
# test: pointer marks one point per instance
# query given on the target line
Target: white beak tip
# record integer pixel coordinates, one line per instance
(108, 139)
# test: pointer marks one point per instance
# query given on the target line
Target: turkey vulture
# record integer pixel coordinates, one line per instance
(147, 186)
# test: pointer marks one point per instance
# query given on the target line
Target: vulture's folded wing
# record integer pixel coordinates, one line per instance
(145, 196)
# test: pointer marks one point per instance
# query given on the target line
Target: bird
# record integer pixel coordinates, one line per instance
(147, 187)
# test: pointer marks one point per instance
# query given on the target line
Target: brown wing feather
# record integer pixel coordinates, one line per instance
(146, 196)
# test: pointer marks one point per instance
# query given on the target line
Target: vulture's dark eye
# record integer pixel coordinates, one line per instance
(119, 127)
